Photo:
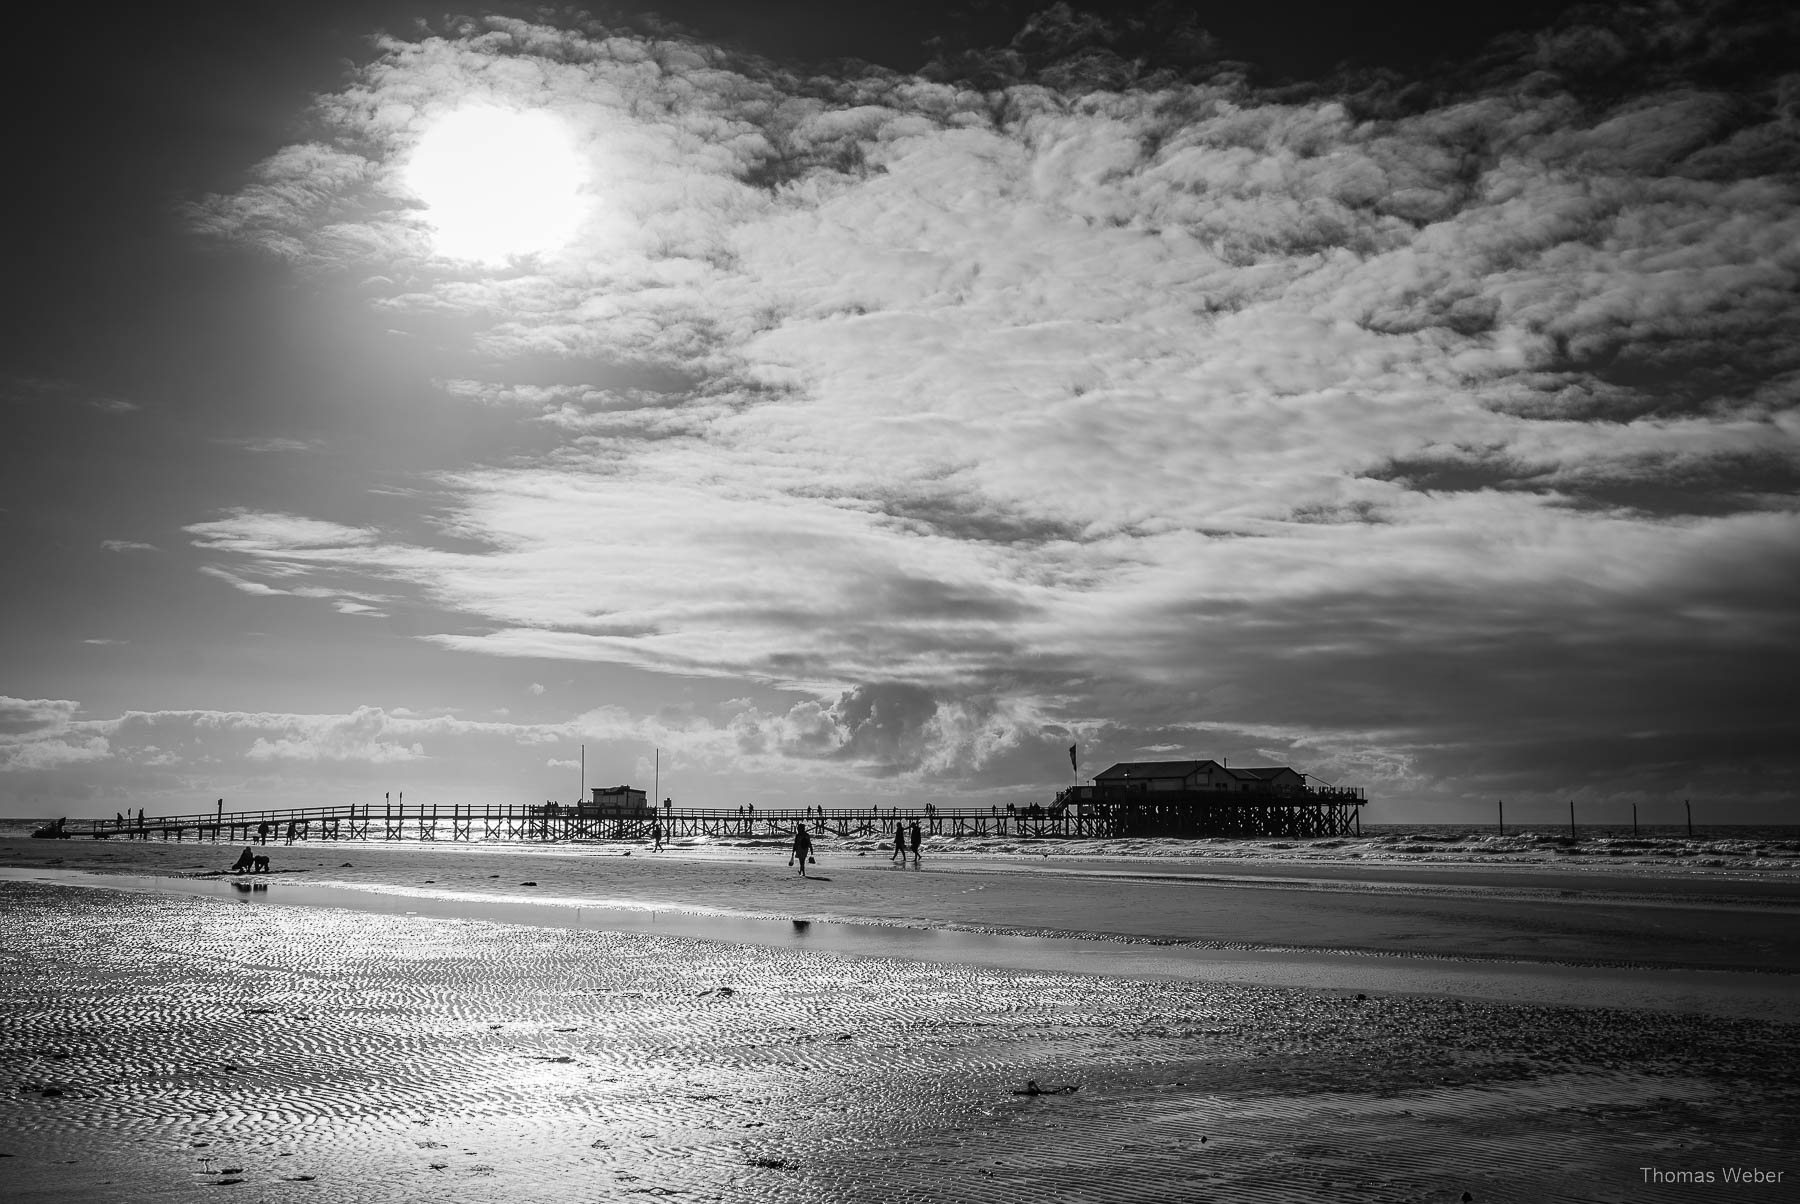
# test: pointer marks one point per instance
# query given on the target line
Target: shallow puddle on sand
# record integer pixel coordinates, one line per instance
(1753, 996)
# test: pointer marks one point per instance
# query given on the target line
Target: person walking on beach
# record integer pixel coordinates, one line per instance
(913, 837)
(802, 848)
(899, 853)
(656, 837)
(262, 832)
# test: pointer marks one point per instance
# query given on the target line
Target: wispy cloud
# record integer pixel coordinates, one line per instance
(1419, 436)
(127, 545)
(271, 444)
(58, 390)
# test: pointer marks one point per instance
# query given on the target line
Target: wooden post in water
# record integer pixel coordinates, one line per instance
(1571, 819)
(1689, 804)
(1502, 805)
(1634, 819)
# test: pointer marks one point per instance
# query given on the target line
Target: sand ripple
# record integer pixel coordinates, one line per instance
(161, 1046)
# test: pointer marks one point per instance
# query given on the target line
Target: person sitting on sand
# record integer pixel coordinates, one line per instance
(245, 860)
(802, 848)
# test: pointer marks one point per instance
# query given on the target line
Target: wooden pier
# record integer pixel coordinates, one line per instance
(1318, 813)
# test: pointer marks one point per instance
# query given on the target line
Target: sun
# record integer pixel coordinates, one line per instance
(499, 184)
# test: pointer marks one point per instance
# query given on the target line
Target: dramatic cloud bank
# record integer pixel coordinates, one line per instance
(1436, 435)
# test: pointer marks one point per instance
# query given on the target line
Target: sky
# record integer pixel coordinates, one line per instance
(862, 404)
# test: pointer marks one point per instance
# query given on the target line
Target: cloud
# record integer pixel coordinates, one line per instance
(1414, 436)
(32, 716)
(42, 733)
(127, 545)
(271, 444)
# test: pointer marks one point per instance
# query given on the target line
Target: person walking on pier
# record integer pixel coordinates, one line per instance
(913, 837)
(802, 848)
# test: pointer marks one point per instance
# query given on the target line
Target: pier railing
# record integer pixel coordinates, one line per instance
(1318, 813)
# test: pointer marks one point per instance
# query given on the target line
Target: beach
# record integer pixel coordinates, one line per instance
(475, 1021)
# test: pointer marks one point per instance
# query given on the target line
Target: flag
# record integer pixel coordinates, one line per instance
(1072, 766)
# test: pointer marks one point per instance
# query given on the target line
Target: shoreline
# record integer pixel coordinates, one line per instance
(1722, 921)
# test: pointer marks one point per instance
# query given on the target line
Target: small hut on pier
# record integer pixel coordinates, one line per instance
(617, 801)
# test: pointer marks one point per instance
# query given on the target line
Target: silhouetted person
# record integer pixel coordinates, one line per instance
(245, 860)
(656, 838)
(899, 853)
(802, 848)
(262, 832)
(913, 837)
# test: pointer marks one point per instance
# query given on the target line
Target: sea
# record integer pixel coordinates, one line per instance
(1710, 846)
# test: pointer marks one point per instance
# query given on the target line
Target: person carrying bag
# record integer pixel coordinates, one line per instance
(802, 848)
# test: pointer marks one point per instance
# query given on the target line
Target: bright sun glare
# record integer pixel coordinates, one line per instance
(498, 183)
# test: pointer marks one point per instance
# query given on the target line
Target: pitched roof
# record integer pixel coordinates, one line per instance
(1181, 769)
(1152, 769)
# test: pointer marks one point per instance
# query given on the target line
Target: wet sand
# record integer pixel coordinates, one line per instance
(1722, 921)
(158, 1045)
